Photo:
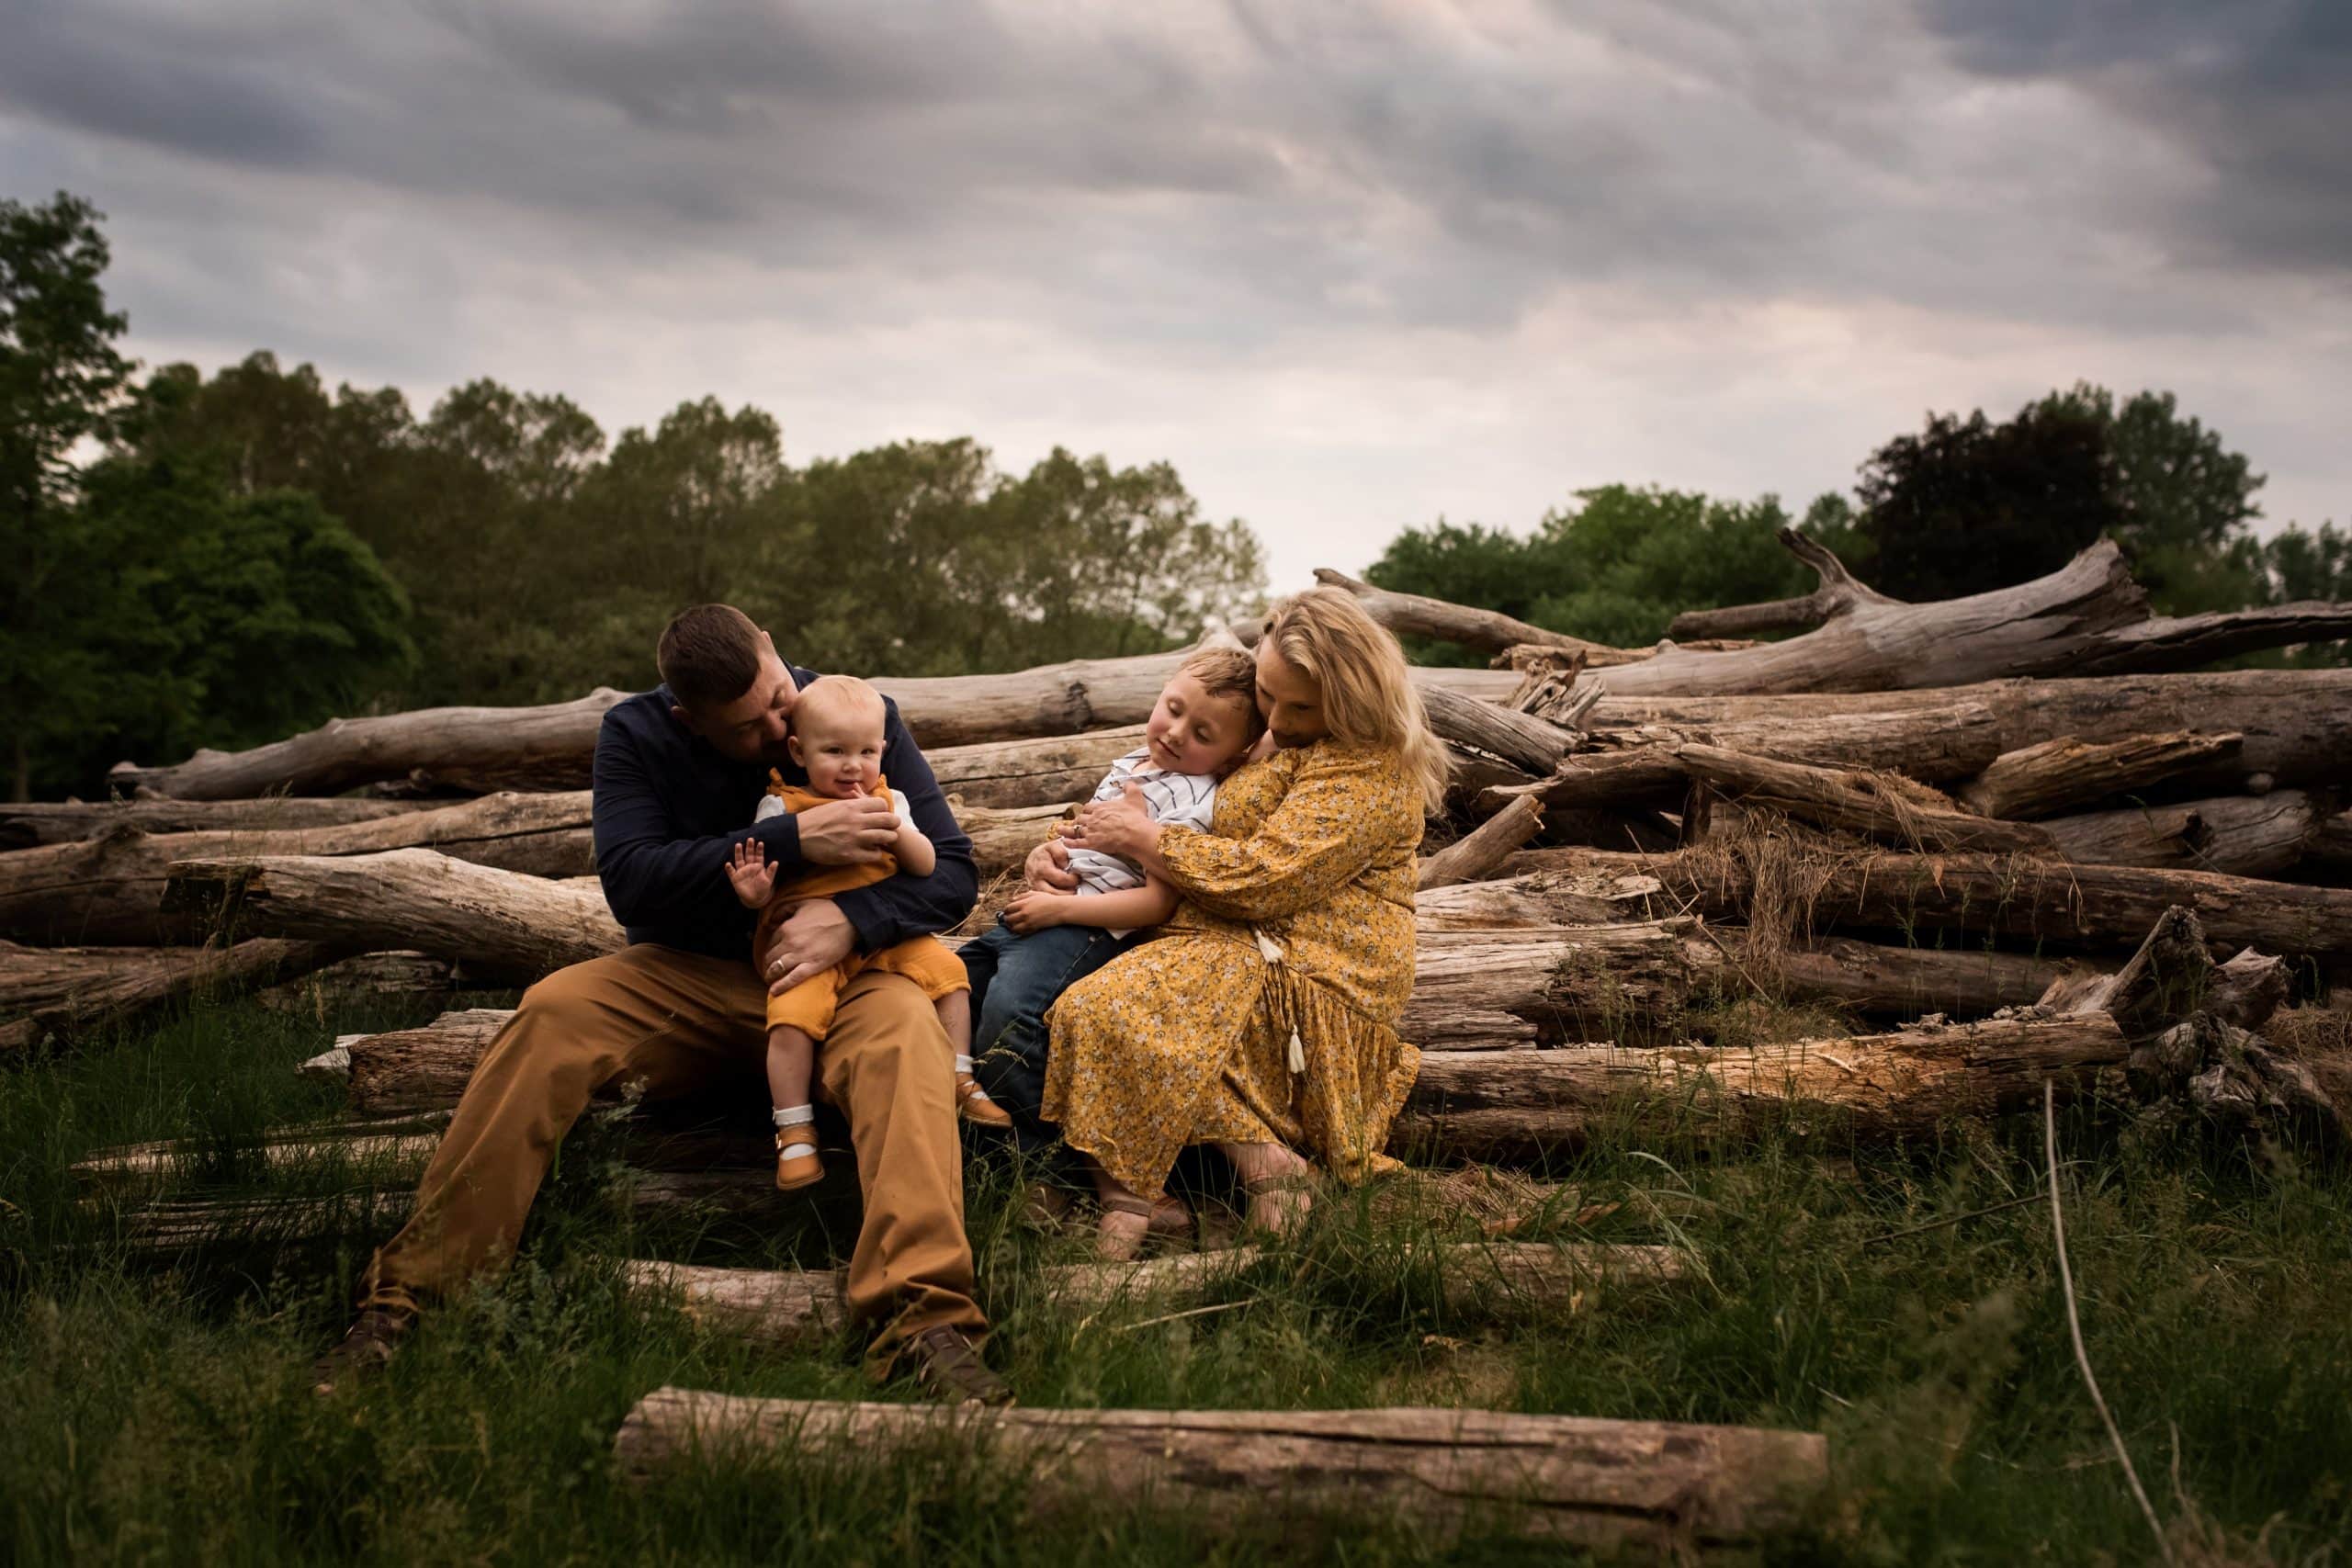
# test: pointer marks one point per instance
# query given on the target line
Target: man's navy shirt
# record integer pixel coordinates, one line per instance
(669, 811)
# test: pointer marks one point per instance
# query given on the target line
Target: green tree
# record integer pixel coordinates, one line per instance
(58, 378)
(2186, 499)
(1616, 567)
(1968, 506)
(2301, 564)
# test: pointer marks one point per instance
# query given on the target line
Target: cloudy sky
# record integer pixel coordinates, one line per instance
(1352, 264)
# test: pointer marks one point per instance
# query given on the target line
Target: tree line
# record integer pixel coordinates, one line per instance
(1961, 507)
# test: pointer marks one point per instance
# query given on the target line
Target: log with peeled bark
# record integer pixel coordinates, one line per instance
(2297, 723)
(1470, 857)
(1885, 807)
(110, 890)
(551, 748)
(1639, 766)
(2066, 773)
(60, 992)
(24, 826)
(497, 922)
(2236, 835)
(2021, 896)
(1483, 631)
(1486, 1281)
(2087, 617)
(1444, 1474)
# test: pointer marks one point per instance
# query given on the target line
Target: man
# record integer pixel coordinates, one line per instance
(679, 771)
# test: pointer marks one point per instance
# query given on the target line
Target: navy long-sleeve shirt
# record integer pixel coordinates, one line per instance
(669, 811)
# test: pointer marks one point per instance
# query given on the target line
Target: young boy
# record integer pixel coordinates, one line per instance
(1201, 729)
(837, 738)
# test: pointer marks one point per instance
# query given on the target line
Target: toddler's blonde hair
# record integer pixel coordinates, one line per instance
(1231, 674)
(839, 700)
(1368, 694)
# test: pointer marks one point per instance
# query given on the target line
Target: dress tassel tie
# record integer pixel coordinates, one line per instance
(1271, 951)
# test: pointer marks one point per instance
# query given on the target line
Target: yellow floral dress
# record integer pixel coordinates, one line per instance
(1298, 918)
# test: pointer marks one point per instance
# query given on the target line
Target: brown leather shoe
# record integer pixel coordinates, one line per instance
(950, 1369)
(365, 1346)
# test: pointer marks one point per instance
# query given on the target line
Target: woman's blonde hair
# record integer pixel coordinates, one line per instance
(1368, 693)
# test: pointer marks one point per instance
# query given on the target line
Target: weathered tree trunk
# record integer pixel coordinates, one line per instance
(1564, 1478)
(1877, 806)
(1639, 766)
(367, 974)
(47, 822)
(1484, 631)
(1468, 859)
(2297, 723)
(407, 1071)
(2087, 617)
(2008, 896)
(1488, 1282)
(551, 748)
(2063, 774)
(64, 991)
(496, 921)
(1532, 745)
(2332, 846)
(110, 890)
(2236, 835)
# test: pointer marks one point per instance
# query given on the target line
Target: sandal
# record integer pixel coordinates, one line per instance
(973, 1104)
(1164, 1218)
(1270, 1214)
(797, 1161)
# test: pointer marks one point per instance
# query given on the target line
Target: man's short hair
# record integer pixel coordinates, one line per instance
(709, 656)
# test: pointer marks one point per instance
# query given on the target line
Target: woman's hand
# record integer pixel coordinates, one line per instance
(1047, 868)
(1033, 911)
(1122, 826)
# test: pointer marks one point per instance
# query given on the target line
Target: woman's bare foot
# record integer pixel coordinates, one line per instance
(1120, 1235)
(1279, 1184)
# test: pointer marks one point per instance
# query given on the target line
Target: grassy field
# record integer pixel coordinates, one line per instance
(161, 1413)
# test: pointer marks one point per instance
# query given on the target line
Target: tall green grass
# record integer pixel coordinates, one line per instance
(153, 1413)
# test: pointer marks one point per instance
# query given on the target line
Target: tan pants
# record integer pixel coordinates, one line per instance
(680, 1022)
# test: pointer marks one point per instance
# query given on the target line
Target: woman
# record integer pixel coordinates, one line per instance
(1260, 1021)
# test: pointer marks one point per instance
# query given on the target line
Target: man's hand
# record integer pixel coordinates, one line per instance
(751, 873)
(1047, 868)
(848, 832)
(1035, 910)
(810, 940)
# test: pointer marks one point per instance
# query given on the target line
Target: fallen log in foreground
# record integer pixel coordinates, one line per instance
(1457, 1472)
(2087, 617)
(1487, 1282)
(479, 750)
(24, 826)
(1477, 853)
(60, 992)
(2021, 896)
(2297, 723)
(496, 921)
(1884, 806)
(2065, 774)
(2235, 835)
(1641, 765)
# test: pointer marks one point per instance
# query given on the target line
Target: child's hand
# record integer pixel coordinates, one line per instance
(753, 873)
(1033, 911)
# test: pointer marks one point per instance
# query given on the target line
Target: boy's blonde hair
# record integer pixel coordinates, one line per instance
(839, 700)
(1230, 673)
(1368, 694)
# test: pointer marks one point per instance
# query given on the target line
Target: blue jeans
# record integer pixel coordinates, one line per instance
(1014, 979)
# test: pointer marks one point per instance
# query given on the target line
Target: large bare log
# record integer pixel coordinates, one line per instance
(2332, 847)
(1563, 1478)
(2061, 774)
(1053, 771)
(1639, 766)
(551, 748)
(2021, 896)
(2297, 723)
(497, 921)
(1487, 1282)
(58, 992)
(1884, 806)
(1486, 631)
(1531, 744)
(110, 890)
(2237, 835)
(2087, 617)
(23, 826)
(1472, 857)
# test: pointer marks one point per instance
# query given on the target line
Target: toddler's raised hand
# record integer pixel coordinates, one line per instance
(753, 873)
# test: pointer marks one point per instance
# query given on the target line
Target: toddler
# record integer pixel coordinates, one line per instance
(1202, 727)
(836, 737)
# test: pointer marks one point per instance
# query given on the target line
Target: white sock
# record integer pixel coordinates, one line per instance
(964, 1070)
(804, 1116)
